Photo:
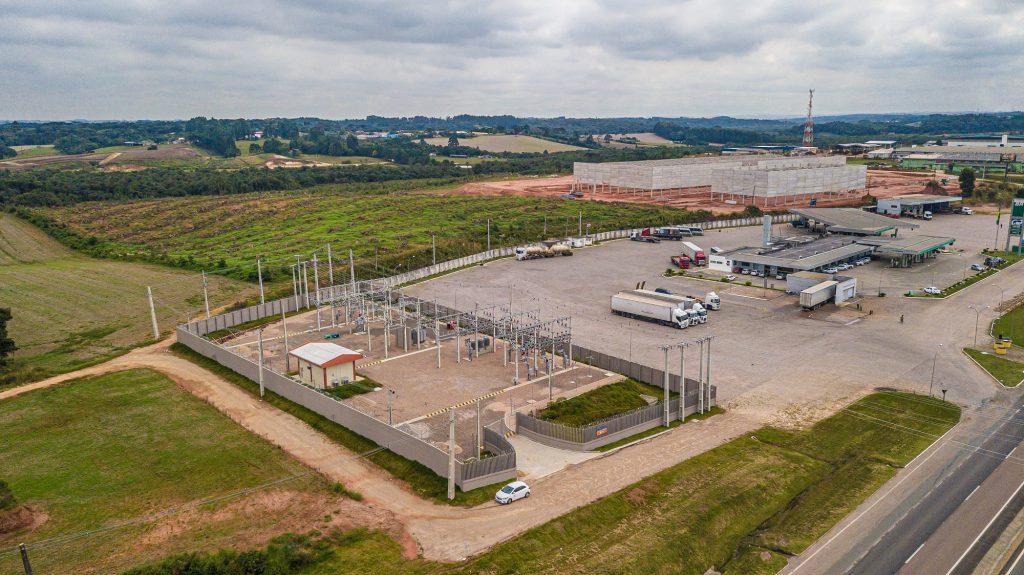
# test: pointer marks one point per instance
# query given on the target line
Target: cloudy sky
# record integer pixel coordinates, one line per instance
(343, 59)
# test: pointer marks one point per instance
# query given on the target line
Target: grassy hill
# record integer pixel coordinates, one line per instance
(70, 310)
(100, 451)
(388, 217)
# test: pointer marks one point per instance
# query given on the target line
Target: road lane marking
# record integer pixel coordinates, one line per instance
(1011, 452)
(1013, 567)
(991, 521)
(914, 553)
(933, 448)
(971, 493)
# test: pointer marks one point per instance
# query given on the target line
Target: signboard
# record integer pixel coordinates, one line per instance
(1015, 226)
(601, 431)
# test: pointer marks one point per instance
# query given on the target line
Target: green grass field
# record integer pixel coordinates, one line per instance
(508, 143)
(396, 218)
(601, 403)
(71, 311)
(36, 151)
(100, 451)
(719, 509)
(1008, 372)
(1011, 325)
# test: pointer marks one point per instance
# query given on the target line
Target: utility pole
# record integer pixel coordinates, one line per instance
(935, 360)
(451, 453)
(682, 381)
(700, 377)
(433, 249)
(152, 313)
(206, 297)
(259, 274)
(295, 287)
(284, 324)
(259, 334)
(709, 373)
(391, 406)
(351, 268)
(580, 232)
(316, 280)
(665, 348)
(24, 559)
(488, 234)
(330, 266)
(305, 283)
(479, 431)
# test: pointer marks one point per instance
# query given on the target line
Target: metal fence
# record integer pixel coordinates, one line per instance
(643, 373)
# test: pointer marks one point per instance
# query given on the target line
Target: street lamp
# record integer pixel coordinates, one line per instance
(977, 318)
(1002, 294)
(935, 359)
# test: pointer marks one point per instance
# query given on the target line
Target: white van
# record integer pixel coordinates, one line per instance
(926, 215)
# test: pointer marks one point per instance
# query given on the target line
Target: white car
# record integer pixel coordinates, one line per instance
(511, 492)
(843, 267)
(978, 267)
(830, 270)
(730, 277)
(932, 290)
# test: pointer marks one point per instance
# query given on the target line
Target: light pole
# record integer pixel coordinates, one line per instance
(935, 359)
(977, 319)
(1002, 295)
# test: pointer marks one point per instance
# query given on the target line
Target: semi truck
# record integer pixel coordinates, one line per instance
(818, 295)
(640, 304)
(681, 262)
(540, 251)
(695, 253)
(709, 301)
(644, 235)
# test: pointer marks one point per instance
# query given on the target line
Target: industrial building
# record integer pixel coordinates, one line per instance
(915, 204)
(1003, 141)
(908, 250)
(323, 364)
(954, 159)
(780, 183)
(789, 255)
(846, 287)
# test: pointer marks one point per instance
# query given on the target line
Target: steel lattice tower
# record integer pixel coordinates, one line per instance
(809, 124)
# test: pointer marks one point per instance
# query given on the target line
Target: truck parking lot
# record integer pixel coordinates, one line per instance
(763, 342)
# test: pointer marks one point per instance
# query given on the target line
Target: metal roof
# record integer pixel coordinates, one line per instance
(922, 199)
(325, 354)
(914, 245)
(852, 220)
(804, 257)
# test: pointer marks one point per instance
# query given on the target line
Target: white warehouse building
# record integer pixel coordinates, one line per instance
(780, 184)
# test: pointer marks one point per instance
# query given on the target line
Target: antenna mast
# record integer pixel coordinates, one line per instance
(809, 125)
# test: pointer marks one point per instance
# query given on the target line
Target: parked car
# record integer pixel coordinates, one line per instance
(662, 290)
(862, 262)
(843, 267)
(932, 290)
(511, 492)
(978, 267)
(780, 276)
(830, 270)
(730, 277)
(745, 271)
(966, 211)
(333, 335)
(737, 270)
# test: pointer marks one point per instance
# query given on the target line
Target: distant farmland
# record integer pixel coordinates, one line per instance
(508, 143)
(70, 310)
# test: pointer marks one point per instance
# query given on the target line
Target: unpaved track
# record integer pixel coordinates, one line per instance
(442, 533)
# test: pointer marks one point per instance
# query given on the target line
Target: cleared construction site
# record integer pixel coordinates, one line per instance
(756, 180)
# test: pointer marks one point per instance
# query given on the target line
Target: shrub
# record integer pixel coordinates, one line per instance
(7, 500)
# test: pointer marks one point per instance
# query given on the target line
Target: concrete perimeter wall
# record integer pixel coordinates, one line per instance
(688, 172)
(468, 475)
(788, 181)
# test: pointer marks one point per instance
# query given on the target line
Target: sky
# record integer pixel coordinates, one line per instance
(154, 59)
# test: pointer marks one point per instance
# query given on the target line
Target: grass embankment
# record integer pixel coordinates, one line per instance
(969, 281)
(100, 451)
(72, 311)
(418, 477)
(390, 223)
(601, 403)
(509, 143)
(739, 507)
(1011, 325)
(1006, 371)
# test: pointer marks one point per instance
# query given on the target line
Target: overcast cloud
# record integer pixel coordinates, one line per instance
(346, 59)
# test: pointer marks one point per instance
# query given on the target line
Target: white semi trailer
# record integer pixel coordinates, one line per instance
(639, 304)
(818, 295)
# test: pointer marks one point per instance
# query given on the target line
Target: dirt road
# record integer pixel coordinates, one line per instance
(439, 532)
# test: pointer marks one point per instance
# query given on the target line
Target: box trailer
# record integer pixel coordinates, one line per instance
(668, 233)
(818, 295)
(632, 304)
(695, 253)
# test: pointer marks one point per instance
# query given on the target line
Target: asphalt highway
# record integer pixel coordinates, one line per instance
(960, 517)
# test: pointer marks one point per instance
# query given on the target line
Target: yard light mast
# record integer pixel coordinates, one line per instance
(935, 360)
